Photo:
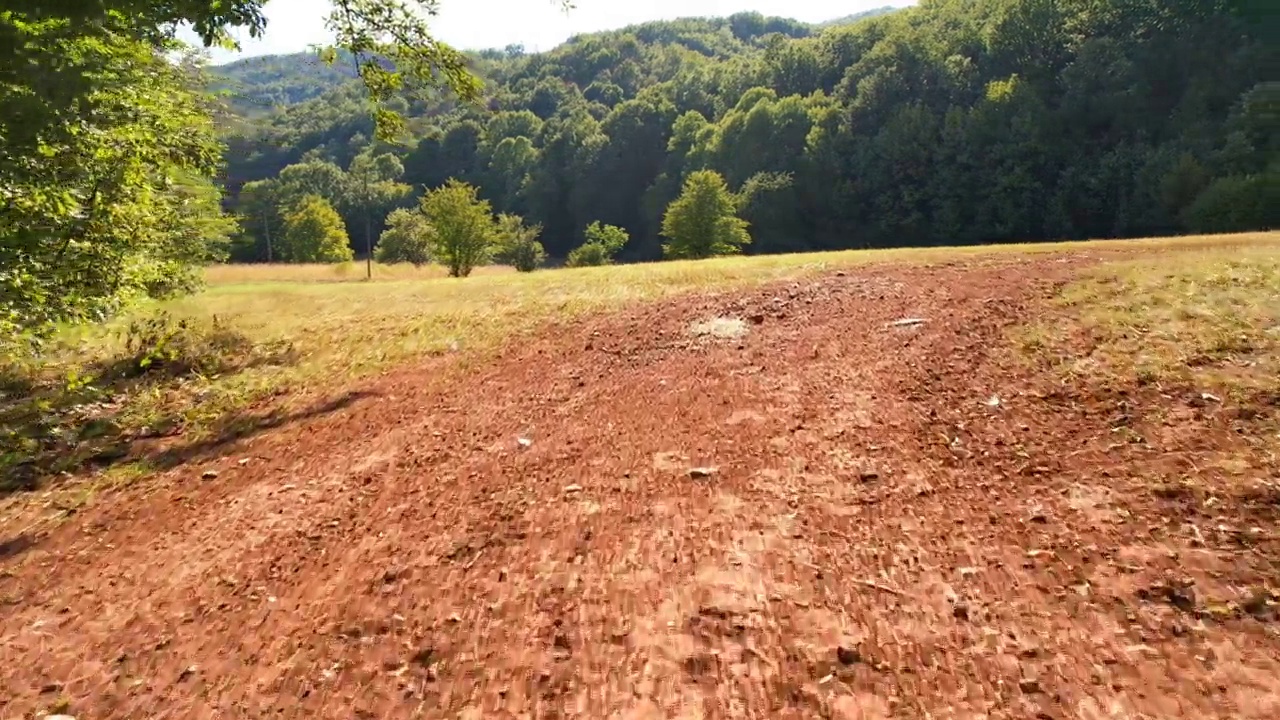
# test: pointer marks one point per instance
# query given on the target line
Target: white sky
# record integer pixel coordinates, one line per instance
(536, 24)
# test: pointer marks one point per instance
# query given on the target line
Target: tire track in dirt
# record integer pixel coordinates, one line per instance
(876, 541)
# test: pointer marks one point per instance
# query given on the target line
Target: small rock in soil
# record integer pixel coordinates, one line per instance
(424, 656)
(1029, 685)
(701, 473)
(960, 610)
(209, 475)
(869, 475)
(187, 672)
(570, 489)
(561, 642)
(848, 655)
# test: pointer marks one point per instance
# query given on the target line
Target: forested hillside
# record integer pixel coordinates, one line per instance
(258, 84)
(957, 121)
(847, 19)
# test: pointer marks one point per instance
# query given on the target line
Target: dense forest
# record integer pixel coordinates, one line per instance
(126, 162)
(951, 122)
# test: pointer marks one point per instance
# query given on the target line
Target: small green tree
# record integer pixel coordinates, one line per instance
(517, 244)
(371, 187)
(464, 227)
(313, 233)
(407, 238)
(703, 221)
(602, 244)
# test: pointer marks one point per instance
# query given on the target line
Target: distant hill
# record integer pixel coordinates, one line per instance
(257, 84)
(848, 19)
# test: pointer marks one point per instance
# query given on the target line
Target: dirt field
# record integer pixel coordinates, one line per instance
(830, 516)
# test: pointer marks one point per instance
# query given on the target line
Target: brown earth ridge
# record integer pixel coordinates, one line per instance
(831, 516)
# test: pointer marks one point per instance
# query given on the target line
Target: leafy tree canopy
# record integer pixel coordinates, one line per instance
(407, 238)
(464, 227)
(313, 233)
(702, 222)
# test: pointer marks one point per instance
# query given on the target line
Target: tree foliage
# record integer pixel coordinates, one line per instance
(464, 228)
(407, 238)
(107, 149)
(370, 189)
(105, 182)
(603, 243)
(954, 121)
(517, 244)
(703, 221)
(313, 233)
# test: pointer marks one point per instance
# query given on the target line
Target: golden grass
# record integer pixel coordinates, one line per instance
(322, 273)
(1207, 319)
(344, 329)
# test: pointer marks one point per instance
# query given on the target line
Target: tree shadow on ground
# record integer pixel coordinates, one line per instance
(156, 454)
(244, 427)
(16, 545)
(56, 420)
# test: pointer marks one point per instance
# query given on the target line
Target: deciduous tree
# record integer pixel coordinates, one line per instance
(703, 221)
(464, 231)
(603, 243)
(313, 233)
(371, 188)
(407, 238)
(517, 244)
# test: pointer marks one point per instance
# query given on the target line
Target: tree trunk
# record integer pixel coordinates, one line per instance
(368, 244)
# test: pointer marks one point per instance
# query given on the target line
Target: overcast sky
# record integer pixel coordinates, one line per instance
(536, 24)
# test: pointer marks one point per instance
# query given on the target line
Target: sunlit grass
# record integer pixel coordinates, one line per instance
(321, 273)
(1206, 319)
(339, 328)
(344, 329)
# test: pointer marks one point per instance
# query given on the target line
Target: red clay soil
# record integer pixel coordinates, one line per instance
(873, 537)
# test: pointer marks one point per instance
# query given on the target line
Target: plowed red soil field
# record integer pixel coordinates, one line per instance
(831, 516)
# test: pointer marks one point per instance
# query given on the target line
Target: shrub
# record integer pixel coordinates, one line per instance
(407, 239)
(518, 244)
(1237, 203)
(162, 345)
(314, 233)
(602, 244)
(464, 229)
